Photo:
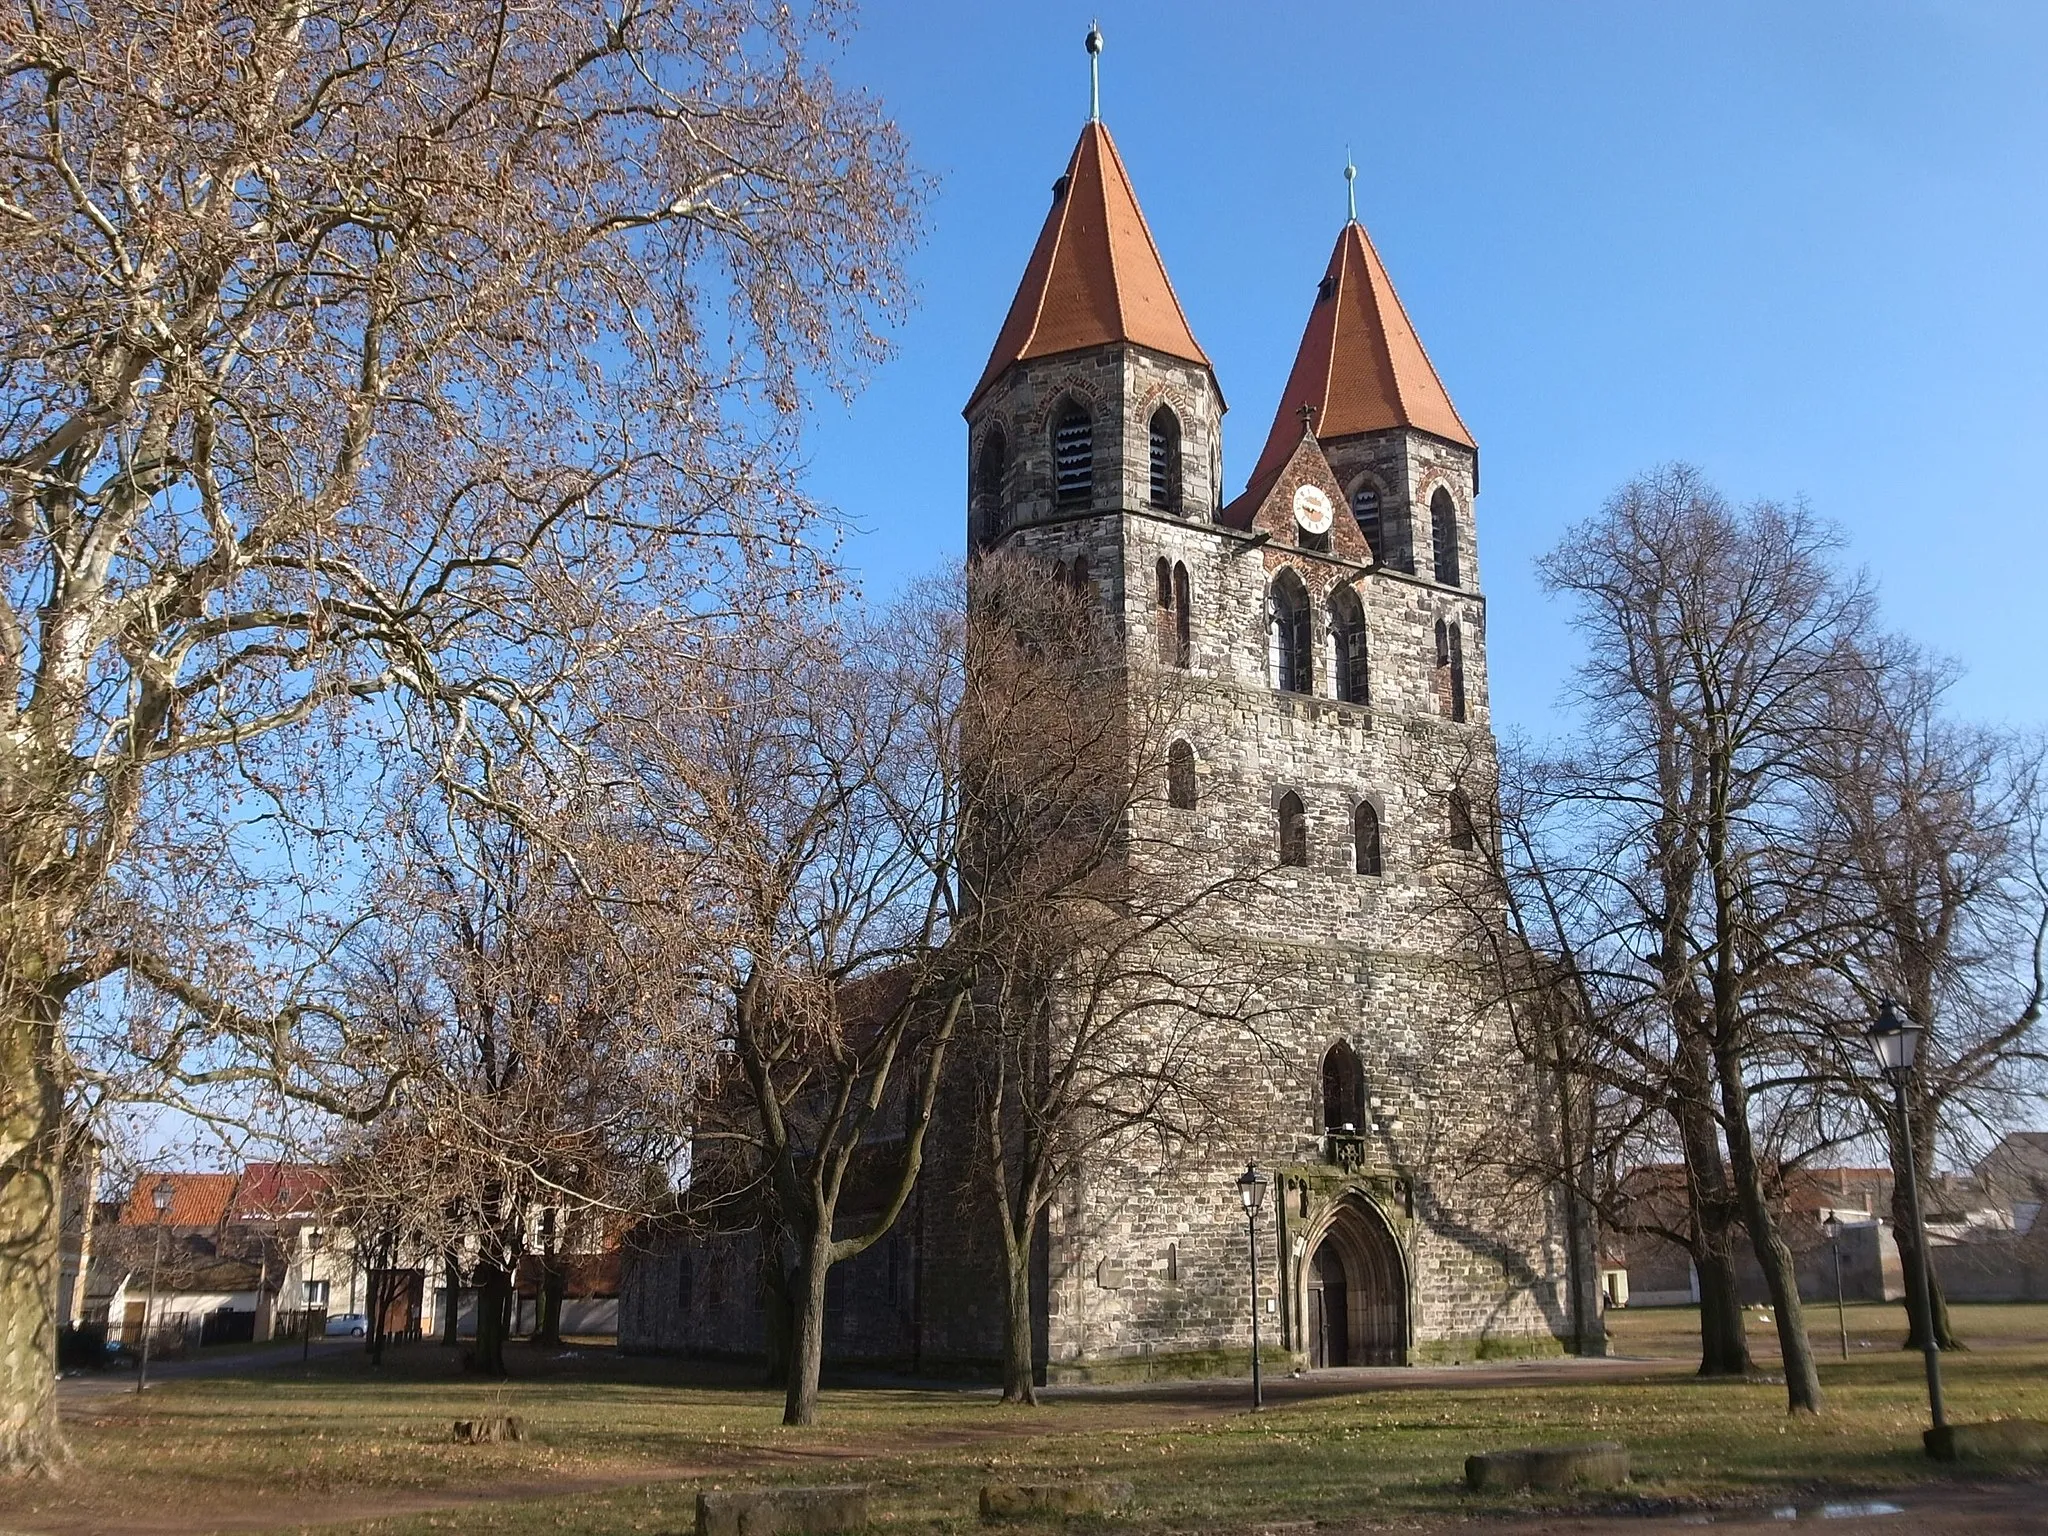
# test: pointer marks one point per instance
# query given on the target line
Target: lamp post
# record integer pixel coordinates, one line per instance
(1832, 1228)
(1895, 1039)
(161, 1197)
(1251, 1187)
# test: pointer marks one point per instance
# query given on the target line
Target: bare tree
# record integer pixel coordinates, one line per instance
(548, 1061)
(1098, 929)
(806, 821)
(1719, 642)
(1944, 909)
(392, 358)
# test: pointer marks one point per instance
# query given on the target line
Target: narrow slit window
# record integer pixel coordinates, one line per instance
(1182, 637)
(1180, 776)
(1457, 666)
(1464, 836)
(1443, 538)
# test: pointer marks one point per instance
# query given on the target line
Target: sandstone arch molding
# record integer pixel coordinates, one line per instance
(1355, 1287)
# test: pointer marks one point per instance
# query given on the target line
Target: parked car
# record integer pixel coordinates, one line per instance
(347, 1325)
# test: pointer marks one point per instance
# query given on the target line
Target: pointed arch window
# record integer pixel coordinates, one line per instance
(1182, 634)
(1457, 674)
(1293, 831)
(1292, 651)
(1343, 1089)
(1365, 839)
(1078, 576)
(1365, 511)
(1464, 836)
(1180, 776)
(1352, 677)
(1443, 537)
(990, 465)
(1163, 444)
(1073, 457)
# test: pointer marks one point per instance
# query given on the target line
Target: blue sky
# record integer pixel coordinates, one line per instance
(1803, 246)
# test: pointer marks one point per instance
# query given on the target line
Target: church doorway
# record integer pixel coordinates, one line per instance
(1357, 1296)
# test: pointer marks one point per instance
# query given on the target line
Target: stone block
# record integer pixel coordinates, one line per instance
(1993, 1440)
(1548, 1468)
(782, 1511)
(1083, 1496)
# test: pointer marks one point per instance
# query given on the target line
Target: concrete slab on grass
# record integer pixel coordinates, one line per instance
(782, 1511)
(1546, 1468)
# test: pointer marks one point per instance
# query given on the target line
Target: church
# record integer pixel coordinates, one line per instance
(1331, 626)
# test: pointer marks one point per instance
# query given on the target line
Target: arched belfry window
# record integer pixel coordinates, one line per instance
(990, 465)
(1365, 839)
(1073, 457)
(1343, 1089)
(1353, 678)
(1293, 653)
(1293, 831)
(1163, 442)
(1365, 511)
(1180, 776)
(1443, 537)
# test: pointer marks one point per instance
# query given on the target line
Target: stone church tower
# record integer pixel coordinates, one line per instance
(1331, 621)
(1330, 625)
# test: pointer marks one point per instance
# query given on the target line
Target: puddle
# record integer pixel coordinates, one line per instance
(1860, 1509)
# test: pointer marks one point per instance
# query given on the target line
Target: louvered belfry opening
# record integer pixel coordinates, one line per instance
(989, 467)
(1163, 447)
(1073, 457)
(1365, 510)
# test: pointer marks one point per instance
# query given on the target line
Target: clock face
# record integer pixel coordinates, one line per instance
(1312, 509)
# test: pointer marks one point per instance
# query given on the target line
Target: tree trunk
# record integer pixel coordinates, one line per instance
(451, 1313)
(1724, 1347)
(777, 1320)
(493, 1292)
(547, 1311)
(1908, 1241)
(807, 1358)
(1724, 1341)
(31, 1131)
(1802, 1373)
(1019, 1385)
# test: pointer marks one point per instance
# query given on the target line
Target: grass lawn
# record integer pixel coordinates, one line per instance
(621, 1445)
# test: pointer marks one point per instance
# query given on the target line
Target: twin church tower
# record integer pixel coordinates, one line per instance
(1328, 626)
(1331, 629)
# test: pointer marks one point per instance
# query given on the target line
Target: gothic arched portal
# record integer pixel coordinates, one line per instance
(1357, 1292)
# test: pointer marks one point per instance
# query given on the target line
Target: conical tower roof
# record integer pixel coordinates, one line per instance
(1095, 276)
(1360, 363)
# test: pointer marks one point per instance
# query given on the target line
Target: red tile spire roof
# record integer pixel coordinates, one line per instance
(1360, 363)
(1095, 276)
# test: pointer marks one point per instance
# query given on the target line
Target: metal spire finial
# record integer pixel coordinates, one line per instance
(1351, 185)
(1094, 72)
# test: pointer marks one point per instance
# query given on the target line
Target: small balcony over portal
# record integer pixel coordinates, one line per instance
(1344, 1149)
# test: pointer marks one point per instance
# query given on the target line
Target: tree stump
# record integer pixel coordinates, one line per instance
(489, 1431)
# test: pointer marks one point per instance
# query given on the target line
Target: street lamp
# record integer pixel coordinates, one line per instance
(1895, 1039)
(1251, 1188)
(1832, 1230)
(161, 1197)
